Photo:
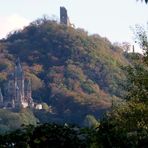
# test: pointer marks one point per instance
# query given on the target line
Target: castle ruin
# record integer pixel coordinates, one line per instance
(64, 19)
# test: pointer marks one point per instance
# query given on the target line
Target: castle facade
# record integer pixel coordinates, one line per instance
(17, 91)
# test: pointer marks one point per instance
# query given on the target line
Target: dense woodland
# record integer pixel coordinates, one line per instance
(78, 77)
(74, 73)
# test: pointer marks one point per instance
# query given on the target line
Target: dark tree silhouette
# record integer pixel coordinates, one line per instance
(146, 1)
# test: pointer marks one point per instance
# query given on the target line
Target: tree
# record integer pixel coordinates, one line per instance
(126, 125)
(125, 46)
(146, 1)
(46, 135)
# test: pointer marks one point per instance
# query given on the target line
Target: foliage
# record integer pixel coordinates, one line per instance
(70, 70)
(90, 121)
(125, 126)
(45, 106)
(12, 120)
(8, 121)
(46, 135)
(27, 117)
(146, 1)
(127, 123)
(138, 83)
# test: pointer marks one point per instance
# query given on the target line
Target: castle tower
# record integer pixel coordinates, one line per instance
(133, 48)
(10, 88)
(1, 98)
(64, 16)
(18, 100)
(28, 92)
(13, 103)
(19, 78)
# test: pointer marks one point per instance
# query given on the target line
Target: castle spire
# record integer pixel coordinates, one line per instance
(19, 77)
(28, 89)
(17, 61)
(1, 96)
(29, 85)
(18, 67)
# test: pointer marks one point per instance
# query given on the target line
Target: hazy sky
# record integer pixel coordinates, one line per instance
(108, 18)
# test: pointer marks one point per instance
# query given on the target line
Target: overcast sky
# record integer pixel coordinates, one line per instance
(108, 18)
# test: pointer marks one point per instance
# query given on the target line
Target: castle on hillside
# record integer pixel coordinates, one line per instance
(17, 91)
(64, 19)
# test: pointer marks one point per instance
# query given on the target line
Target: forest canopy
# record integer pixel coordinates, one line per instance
(73, 72)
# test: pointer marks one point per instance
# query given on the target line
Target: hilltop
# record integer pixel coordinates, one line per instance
(75, 73)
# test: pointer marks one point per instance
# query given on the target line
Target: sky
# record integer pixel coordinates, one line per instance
(109, 18)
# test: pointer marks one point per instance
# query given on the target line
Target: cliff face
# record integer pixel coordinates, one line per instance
(76, 73)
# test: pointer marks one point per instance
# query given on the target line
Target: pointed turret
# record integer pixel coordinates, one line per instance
(18, 99)
(1, 97)
(28, 89)
(19, 77)
(29, 86)
(18, 69)
(13, 103)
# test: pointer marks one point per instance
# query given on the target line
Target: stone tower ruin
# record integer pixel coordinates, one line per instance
(64, 16)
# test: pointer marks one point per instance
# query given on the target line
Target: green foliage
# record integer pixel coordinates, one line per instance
(125, 126)
(90, 121)
(18, 138)
(47, 135)
(11, 120)
(27, 117)
(138, 82)
(87, 87)
(127, 123)
(45, 106)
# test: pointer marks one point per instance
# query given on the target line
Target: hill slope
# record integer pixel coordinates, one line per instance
(76, 73)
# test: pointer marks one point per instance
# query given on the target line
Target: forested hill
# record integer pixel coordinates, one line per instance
(74, 72)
